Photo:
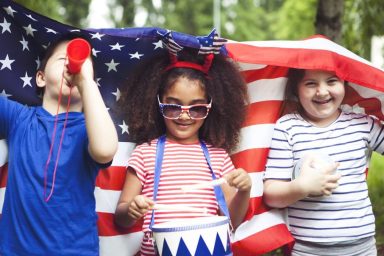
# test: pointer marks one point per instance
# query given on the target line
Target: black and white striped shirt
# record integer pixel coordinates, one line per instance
(347, 213)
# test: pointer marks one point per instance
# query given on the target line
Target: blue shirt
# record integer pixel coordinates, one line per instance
(66, 224)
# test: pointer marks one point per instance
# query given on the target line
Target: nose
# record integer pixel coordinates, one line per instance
(184, 115)
(322, 90)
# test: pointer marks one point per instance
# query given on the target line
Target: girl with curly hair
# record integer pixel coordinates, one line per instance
(189, 102)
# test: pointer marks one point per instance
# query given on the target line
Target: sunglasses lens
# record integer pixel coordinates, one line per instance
(171, 111)
(198, 111)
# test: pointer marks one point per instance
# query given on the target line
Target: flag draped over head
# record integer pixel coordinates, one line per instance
(24, 35)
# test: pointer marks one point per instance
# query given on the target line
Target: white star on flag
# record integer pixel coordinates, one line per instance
(6, 63)
(37, 63)
(4, 94)
(112, 65)
(117, 46)
(97, 35)
(97, 81)
(95, 52)
(27, 80)
(29, 30)
(9, 10)
(6, 26)
(24, 43)
(158, 44)
(136, 55)
(117, 94)
(30, 16)
(124, 128)
(49, 30)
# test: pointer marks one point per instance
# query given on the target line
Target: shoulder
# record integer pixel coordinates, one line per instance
(289, 120)
(357, 117)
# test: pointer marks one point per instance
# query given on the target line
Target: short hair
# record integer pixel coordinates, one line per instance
(224, 84)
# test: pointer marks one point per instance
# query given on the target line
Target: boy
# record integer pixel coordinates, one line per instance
(55, 153)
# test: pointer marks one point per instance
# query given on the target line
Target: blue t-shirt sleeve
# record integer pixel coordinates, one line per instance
(9, 112)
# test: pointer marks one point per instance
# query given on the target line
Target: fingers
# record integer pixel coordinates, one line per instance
(139, 206)
(239, 179)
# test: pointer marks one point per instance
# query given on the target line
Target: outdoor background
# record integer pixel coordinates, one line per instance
(350, 23)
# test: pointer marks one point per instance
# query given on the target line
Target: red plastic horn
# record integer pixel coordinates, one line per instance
(78, 51)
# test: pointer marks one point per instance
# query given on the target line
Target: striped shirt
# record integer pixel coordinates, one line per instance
(182, 165)
(347, 213)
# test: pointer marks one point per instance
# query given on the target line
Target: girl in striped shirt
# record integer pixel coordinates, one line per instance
(191, 99)
(329, 211)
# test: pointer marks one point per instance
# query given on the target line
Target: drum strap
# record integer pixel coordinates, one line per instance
(159, 161)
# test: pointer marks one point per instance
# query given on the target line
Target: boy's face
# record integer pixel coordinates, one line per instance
(52, 77)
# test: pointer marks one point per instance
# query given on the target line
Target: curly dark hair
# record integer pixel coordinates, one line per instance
(224, 84)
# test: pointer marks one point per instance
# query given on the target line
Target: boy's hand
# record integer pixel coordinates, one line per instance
(84, 77)
(139, 206)
(239, 179)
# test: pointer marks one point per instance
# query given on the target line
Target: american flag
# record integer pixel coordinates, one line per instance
(25, 34)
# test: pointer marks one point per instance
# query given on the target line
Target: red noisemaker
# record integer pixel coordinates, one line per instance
(78, 51)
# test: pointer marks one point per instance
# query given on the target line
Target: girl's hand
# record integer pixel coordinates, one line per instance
(239, 179)
(318, 181)
(139, 206)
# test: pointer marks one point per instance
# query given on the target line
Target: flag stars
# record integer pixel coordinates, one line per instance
(158, 44)
(117, 94)
(24, 43)
(98, 81)
(29, 30)
(95, 52)
(116, 46)
(26, 80)
(30, 16)
(6, 26)
(49, 30)
(38, 62)
(9, 11)
(97, 35)
(4, 94)
(136, 55)
(112, 65)
(6, 63)
(124, 128)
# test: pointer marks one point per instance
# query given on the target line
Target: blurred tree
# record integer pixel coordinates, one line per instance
(75, 12)
(70, 12)
(49, 8)
(295, 20)
(362, 20)
(122, 12)
(329, 19)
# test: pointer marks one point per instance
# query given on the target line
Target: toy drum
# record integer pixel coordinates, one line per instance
(195, 236)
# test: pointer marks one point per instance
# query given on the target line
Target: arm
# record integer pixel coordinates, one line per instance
(131, 205)
(311, 182)
(237, 194)
(101, 131)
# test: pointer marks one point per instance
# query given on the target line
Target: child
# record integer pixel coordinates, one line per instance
(49, 209)
(188, 101)
(329, 212)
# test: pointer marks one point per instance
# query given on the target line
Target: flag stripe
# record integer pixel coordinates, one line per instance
(350, 66)
(252, 160)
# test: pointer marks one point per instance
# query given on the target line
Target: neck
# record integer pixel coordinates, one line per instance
(54, 108)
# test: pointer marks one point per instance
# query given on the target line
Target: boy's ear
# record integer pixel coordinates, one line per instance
(40, 79)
